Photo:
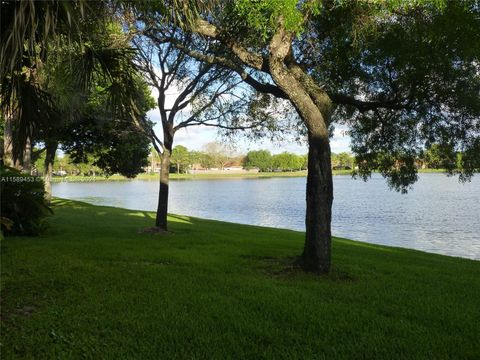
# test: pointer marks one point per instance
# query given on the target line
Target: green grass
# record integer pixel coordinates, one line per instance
(92, 287)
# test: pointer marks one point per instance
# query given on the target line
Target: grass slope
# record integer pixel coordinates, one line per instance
(93, 287)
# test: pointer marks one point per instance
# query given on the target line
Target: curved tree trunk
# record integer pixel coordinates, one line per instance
(314, 107)
(8, 142)
(162, 208)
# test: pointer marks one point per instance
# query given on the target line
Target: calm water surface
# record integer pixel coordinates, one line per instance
(439, 215)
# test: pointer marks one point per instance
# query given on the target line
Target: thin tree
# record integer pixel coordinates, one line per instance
(190, 93)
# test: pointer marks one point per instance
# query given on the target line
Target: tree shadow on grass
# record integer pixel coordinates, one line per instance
(288, 268)
(135, 224)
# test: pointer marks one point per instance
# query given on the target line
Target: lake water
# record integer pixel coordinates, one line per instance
(439, 215)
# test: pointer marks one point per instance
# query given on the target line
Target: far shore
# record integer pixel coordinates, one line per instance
(206, 176)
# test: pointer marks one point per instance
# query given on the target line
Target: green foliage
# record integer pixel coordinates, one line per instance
(261, 159)
(180, 158)
(23, 206)
(444, 156)
(65, 165)
(116, 146)
(287, 162)
(264, 161)
(263, 15)
(201, 158)
(343, 160)
(128, 154)
(110, 137)
(441, 157)
(421, 61)
(404, 73)
(40, 45)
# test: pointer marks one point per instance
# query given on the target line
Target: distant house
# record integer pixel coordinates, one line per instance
(234, 169)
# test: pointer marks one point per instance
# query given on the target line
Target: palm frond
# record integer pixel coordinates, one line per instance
(27, 26)
(35, 109)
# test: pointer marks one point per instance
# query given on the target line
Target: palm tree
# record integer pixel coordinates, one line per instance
(27, 32)
(36, 34)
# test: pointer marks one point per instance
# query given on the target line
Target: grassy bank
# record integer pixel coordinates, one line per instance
(93, 287)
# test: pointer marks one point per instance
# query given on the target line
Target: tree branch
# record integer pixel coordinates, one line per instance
(248, 57)
(364, 106)
(226, 62)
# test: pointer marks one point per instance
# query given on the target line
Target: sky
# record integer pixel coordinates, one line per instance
(196, 137)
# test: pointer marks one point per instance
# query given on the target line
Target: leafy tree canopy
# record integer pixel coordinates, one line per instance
(112, 138)
(401, 74)
(180, 158)
(261, 159)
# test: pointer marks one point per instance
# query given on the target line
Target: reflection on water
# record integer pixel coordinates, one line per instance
(438, 215)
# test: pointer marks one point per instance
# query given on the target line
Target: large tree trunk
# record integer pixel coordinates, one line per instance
(314, 107)
(317, 249)
(48, 169)
(162, 208)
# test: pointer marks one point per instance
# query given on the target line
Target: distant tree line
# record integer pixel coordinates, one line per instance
(66, 165)
(217, 156)
(265, 161)
(213, 156)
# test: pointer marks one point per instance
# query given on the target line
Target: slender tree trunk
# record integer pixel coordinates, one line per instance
(8, 142)
(48, 169)
(2, 149)
(162, 208)
(27, 157)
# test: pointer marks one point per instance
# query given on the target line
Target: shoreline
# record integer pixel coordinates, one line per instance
(210, 176)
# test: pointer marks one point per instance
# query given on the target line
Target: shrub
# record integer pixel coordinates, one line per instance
(23, 205)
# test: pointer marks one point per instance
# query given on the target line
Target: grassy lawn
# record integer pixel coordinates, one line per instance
(93, 287)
